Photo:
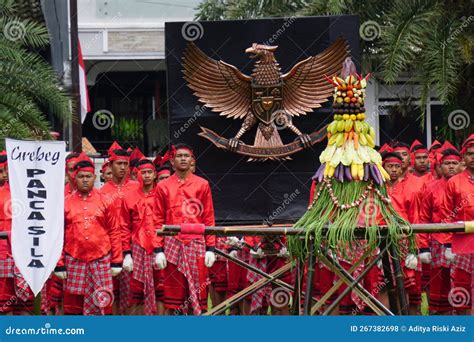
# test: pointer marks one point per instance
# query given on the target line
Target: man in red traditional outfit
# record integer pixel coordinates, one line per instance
(114, 191)
(92, 252)
(415, 183)
(237, 276)
(403, 150)
(268, 255)
(105, 172)
(432, 247)
(186, 199)
(135, 156)
(140, 243)
(52, 292)
(70, 163)
(396, 188)
(433, 159)
(459, 206)
(15, 295)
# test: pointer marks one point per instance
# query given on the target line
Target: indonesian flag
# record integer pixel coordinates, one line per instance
(85, 104)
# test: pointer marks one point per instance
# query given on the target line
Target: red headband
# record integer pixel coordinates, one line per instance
(160, 160)
(173, 151)
(421, 150)
(401, 148)
(71, 160)
(146, 165)
(5, 163)
(88, 168)
(450, 157)
(392, 160)
(162, 172)
(104, 166)
(466, 145)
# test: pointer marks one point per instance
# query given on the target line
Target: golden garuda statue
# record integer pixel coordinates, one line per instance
(266, 97)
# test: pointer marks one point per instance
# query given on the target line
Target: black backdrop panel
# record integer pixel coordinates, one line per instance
(251, 192)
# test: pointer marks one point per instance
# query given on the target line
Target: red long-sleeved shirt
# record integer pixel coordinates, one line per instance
(115, 192)
(138, 221)
(185, 201)
(412, 185)
(90, 229)
(397, 195)
(5, 220)
(431, 203)
(459, 205)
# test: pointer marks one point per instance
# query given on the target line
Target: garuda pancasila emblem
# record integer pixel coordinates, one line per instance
(266, 98)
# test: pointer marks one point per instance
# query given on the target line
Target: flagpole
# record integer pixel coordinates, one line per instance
(76, 116)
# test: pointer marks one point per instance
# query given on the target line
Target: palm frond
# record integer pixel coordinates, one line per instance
(408, 24)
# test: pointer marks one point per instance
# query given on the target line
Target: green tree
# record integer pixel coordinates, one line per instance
(29, 88)
(430, 40)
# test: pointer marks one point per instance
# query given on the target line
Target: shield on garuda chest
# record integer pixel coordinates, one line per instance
(266, 100)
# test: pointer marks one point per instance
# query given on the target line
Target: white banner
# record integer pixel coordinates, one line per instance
(36, 176)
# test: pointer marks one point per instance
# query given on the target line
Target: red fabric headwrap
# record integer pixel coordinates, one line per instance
(421, 150)
(392, 160)
(162, 172)
(5, 163)
(112, 155)
(160, 160)
(401, 149)
(104, 166)
(173, 151)
(450, 157)
(467, 143)
(83, 157)
(414, 144)
(385, 148)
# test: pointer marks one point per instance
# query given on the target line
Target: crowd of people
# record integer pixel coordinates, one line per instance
(113, 262)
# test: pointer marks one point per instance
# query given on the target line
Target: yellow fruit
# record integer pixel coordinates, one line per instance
(357, 126)
(340, 140)
(348, 125)
(362, 115)
(359, 117)
(340, 126)
(331, 171)
(332, 128)
(360, 171)
(353, 117)
(362, 139)
(354, 170)
(347, 99)
(346, 117)
(370, 141)
(372, 133)
(339, 99)
(384, 173)
(366, 127)
(326, 169)
(332, 139)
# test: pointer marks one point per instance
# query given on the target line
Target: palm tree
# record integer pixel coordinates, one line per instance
(29, 88)
(432, 40)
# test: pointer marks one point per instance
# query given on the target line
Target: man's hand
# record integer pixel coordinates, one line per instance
(160, 260)
(209, 258)
(257, 253)
(128, 263)
(411, 261)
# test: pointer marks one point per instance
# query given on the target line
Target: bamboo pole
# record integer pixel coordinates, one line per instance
(286, 229)
(374, 304)
(227, 304)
